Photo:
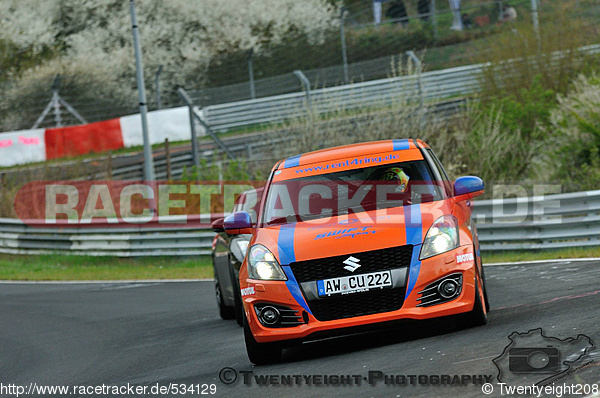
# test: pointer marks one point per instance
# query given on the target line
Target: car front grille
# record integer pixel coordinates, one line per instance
(332, 267)
(355, 304)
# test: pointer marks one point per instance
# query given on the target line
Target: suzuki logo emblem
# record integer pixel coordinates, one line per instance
(352, 264)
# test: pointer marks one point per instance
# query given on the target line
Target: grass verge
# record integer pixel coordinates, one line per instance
(57, 267)
(510, 256)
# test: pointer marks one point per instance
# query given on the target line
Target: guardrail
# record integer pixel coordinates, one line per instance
(539, 222)
(105, 240)
(445, 83)
(527, 223)
(384, 92)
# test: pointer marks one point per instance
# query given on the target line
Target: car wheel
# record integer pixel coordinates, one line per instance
(261, 353)
(224, 311)
(483, 284)
(477, 316)
(485, 295)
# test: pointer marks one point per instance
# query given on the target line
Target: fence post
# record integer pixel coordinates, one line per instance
(109, 165)
(148, 160)
(434, 20)
(419, 66)
(188, 101)
(220, 169)
(344, 49)
(305, 83)
(536, 23)
(168, 159)
(157, 82)
(56, 102)
(251, 74)
(190, 104)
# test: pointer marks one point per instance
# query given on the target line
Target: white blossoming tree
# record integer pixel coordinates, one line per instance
(181, 35)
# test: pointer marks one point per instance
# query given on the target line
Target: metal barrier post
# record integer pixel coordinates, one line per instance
(157, 82)
(168, 159)
(536, 23)
(419, 66)
(55, 102)
(188, 101)
(193, 115)
(109, 165)
(251, 74)
(434, 21)
(305, 83)
(148, 160)
(344, 49)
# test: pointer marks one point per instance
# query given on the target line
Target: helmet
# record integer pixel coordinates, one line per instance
(397, 174)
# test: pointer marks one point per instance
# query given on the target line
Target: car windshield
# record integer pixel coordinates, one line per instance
(364, 189)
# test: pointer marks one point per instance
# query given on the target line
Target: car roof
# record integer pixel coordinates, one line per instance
(347, 151)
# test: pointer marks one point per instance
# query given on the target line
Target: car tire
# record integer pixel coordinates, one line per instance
(485, 295)
(483, 284)
(224, 311)
(261, 353)
(476, 317)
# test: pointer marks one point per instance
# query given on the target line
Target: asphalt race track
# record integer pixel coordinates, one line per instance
(148, 333)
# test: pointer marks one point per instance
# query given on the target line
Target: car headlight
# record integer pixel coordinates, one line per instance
(262, 264)
(441, 237)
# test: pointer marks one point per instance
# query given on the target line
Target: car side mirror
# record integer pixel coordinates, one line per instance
(468, 187)
(217, 225)
(237, 223)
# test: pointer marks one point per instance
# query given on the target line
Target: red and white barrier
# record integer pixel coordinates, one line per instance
(20, 147)
(173, 124)
(29, 146)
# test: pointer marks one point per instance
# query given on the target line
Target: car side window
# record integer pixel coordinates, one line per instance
(440, 171)
(249, 205)
(438, 165)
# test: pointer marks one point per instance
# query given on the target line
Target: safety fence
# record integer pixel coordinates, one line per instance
(429, 89)
(250, 147)
(525, 223)
(428, 86)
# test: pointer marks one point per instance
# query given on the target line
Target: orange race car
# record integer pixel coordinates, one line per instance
(354, 236)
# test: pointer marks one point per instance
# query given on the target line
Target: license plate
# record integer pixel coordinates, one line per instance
(355, 283)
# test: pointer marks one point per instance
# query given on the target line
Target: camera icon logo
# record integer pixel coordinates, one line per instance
(534, 358)
(539, 360)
